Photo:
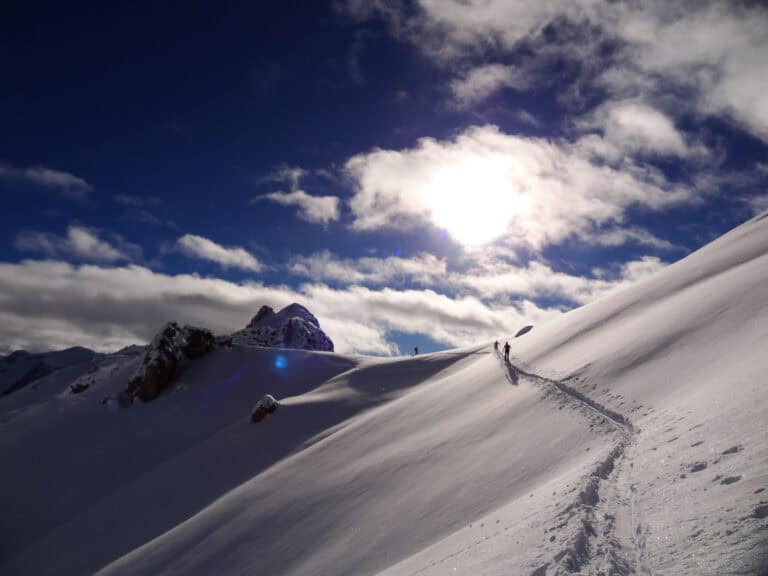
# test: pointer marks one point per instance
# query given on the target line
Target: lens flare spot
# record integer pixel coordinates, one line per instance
(281, 362)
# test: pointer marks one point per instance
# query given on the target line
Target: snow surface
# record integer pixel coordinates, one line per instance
(628, 437)
(21, 368)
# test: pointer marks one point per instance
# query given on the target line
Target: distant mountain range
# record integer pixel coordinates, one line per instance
(293, 327)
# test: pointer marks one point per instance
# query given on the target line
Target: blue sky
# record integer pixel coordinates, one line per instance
(428, 173)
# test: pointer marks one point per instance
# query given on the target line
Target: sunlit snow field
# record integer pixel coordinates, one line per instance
(628, 436)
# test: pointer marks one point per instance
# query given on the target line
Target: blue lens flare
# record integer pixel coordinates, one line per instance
(280, 362)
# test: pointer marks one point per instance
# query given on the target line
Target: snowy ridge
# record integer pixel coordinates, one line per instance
(627, 438)
(21, 368)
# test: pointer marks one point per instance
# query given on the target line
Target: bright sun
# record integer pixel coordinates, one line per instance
(473, 201)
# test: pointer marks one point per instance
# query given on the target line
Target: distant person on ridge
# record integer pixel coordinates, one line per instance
(415, 350)
(506, 352)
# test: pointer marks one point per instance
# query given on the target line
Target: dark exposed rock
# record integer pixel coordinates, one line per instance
(164, 356)
(264, 407)
(264, 312)
(292, 327)
(79, 387)
(199, 342)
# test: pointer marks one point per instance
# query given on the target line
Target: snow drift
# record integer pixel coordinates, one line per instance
(628, 437)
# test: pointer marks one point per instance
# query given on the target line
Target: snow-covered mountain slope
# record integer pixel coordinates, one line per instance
(21, 368)
(629, 439)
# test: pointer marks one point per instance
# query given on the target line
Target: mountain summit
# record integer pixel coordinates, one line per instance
(292, 327)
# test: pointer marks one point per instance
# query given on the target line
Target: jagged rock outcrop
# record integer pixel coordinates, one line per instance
(292, 327)
(163, 358)
(79, 387)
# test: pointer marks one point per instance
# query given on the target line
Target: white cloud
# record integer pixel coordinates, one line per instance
(715, 49)
(228, 257)
(316, 209)
(449, 30)
(487, 278)
(65, 183)
(485, 184)
(758, 204)
(707, 55)
(482, 81)
(537, 280)
(325, 267)
(291, 175)
(634, 127)
(633, 234)
(527, 118)
(80, 242)
(48, 304)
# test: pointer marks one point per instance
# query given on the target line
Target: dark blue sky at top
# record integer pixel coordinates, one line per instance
(195, 106)
(195, 102)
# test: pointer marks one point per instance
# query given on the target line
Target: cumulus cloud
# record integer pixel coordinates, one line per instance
(64, 183)
(316, 209)
(538, 280)
(482, 81)
(228, 257)
(326, 267)
(291, 175)
(714, 49)
(49, 304)
(634, 127)
(487, 278)
(706, 53)
(80, 242)
(633, 234)
(485, 184)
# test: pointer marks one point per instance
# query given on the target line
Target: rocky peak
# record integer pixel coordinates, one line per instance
(164, 356)
(292, 327)
(264, 312)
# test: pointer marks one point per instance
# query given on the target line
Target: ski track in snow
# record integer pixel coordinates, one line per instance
(610, 538)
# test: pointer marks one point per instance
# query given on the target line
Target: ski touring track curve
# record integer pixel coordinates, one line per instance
(605, 518)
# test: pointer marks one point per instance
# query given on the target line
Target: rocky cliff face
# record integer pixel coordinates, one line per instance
(292, 327)
(163, 358)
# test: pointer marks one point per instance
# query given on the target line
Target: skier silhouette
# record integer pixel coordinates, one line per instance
(506, 352)
(496, 346)
(415, 350)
